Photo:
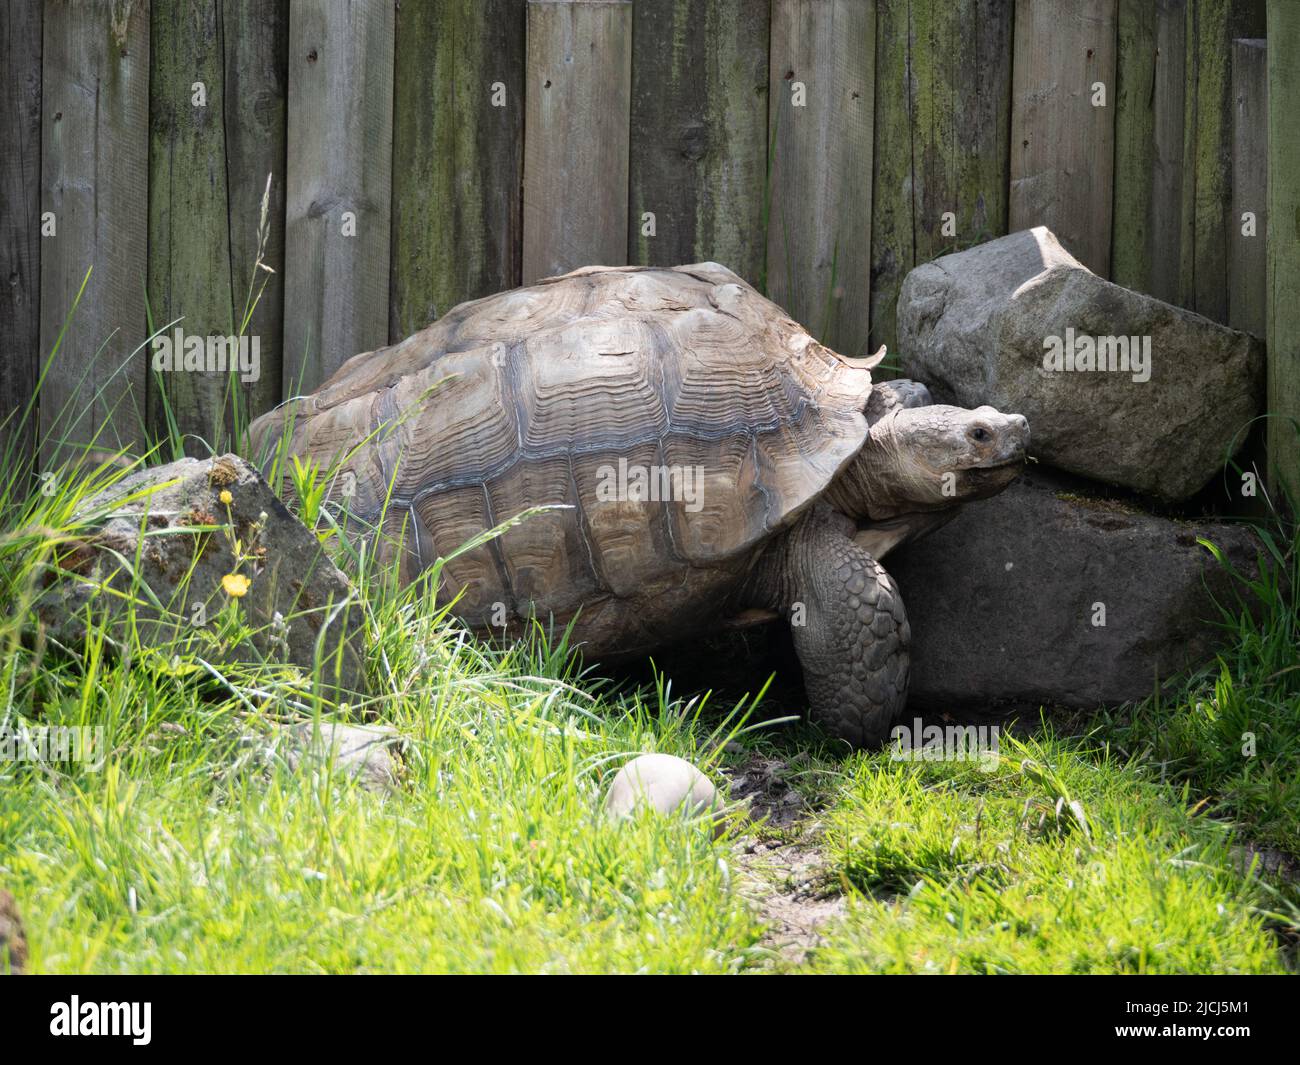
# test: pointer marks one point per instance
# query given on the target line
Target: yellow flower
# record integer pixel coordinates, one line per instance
(226, 497)
(236, 585)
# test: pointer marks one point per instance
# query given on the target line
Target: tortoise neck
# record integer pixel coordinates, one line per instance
(881, 482)
(852, 491)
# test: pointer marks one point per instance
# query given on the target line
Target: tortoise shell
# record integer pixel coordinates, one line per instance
(566, 392)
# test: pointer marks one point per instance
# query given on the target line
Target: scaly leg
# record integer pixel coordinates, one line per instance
(849, 628)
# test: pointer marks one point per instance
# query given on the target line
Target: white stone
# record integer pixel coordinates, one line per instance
(664, 783)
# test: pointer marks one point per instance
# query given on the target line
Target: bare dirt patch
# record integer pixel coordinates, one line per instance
(783, 867)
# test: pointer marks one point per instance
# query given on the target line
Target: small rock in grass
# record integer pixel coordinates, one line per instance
(13, 942)
(664, 783)
(367, 753)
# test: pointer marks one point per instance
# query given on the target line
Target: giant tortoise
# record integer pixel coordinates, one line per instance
(707, 460)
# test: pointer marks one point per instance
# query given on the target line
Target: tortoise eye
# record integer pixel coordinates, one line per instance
(979, 434)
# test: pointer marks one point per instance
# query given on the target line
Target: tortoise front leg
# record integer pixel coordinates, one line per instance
(849, 628)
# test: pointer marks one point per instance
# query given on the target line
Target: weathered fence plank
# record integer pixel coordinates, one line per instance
(699, 134)
(1062, 142)
(1247, 228)
(189, 218)
(1284, 245)
(458, 114)
(339, 172)
(576, 130)
(942, 122)
(94, 170)
(822, 87)
(1149, 146)
(1167, 139)
(20, 232)
(1207, 168)
(893, 240)
(257, 88)
(1247, 252)
(961, 60)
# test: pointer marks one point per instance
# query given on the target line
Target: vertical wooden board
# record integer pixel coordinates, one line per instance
(942, 125)
(458, 119)
(1207, 145)
(893, 242)
(1168, 135)
(1062, 146)
(20, 237)
(578, 98)
(1247, 254)
(94, 177)
(1284, 246)
(699, 133)
(961, 59)
(339, 172)
(1135, 74)
(189, 236)
(256, 70)
(822, 88)
(1149, 146)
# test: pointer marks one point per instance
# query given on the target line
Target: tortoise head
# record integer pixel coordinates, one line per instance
(928, 458)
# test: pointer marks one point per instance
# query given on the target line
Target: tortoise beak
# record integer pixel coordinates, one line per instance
(1012, 442)
(980, 482)
(1004, 462)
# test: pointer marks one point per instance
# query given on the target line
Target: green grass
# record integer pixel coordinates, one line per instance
(1233, 731)
(182, 856)
(960, 870)
(181, 850)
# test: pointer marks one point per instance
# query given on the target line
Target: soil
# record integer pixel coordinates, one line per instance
(783, 867)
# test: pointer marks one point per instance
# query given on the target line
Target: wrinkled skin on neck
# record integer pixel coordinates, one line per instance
(930, 458)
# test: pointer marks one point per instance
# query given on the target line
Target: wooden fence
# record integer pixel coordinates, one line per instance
(430, 151)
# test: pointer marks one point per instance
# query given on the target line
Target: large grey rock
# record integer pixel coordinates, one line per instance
(295, 596)
(973, 326)
(1002, 601)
